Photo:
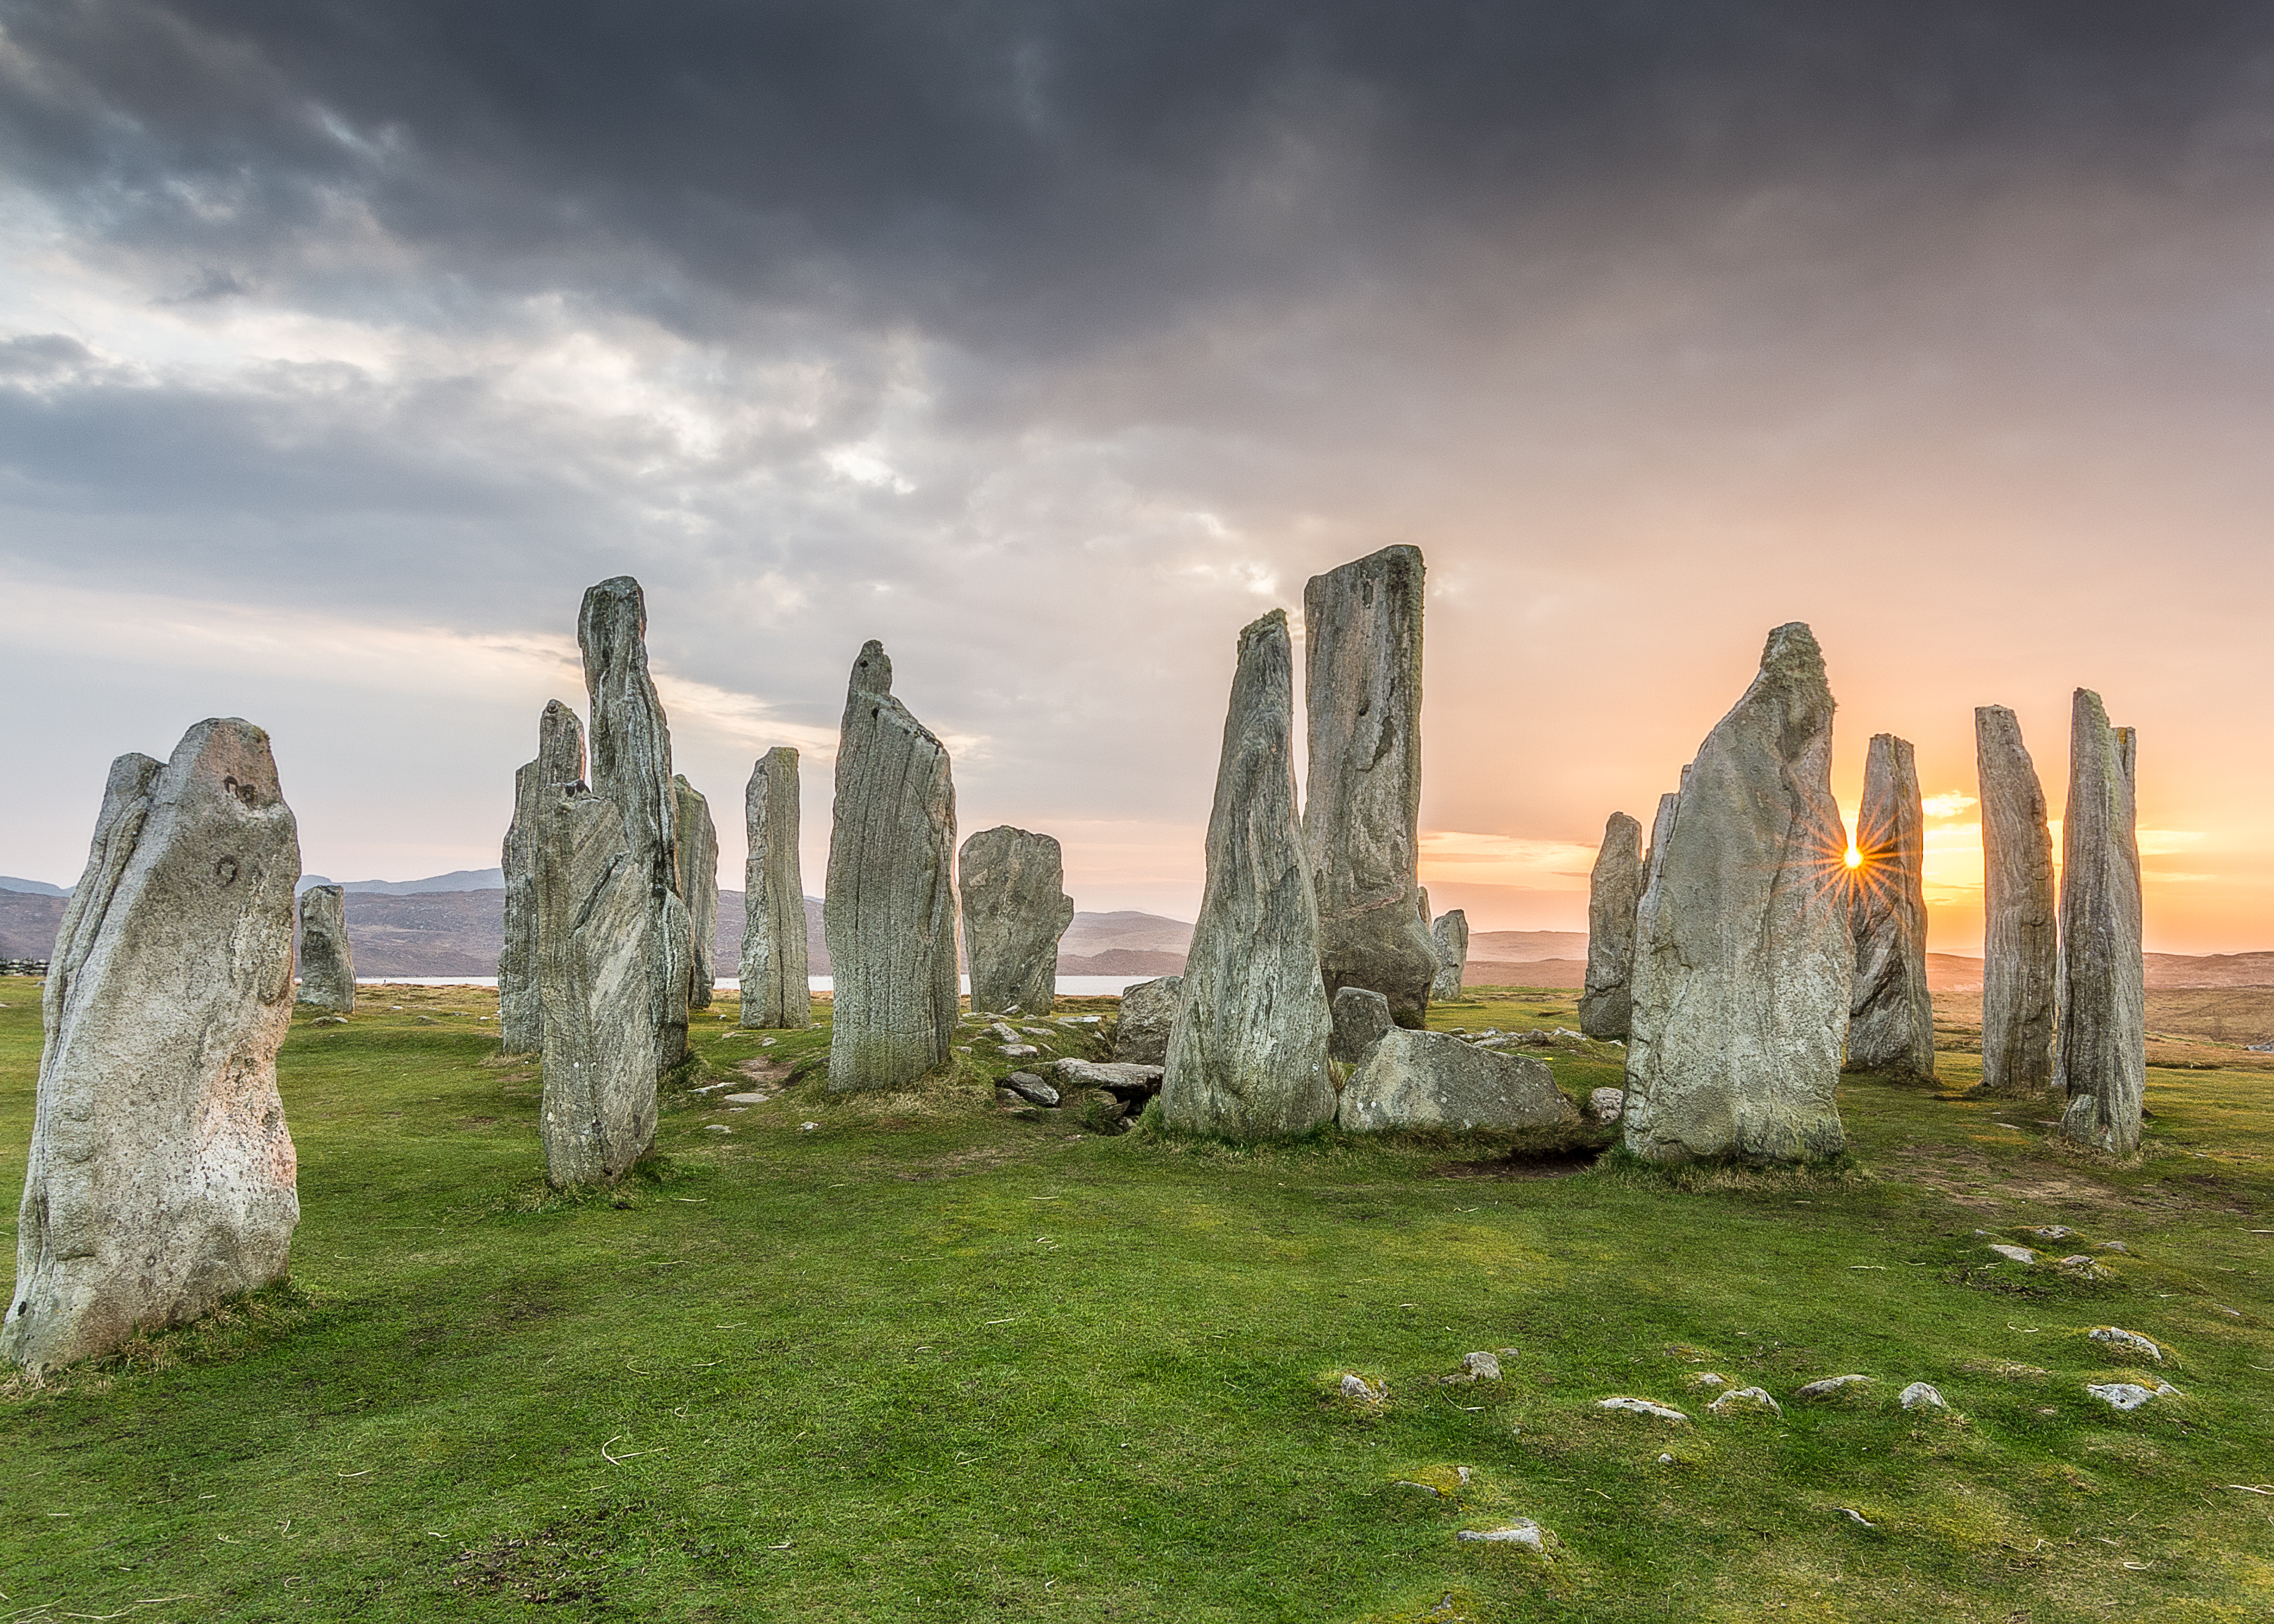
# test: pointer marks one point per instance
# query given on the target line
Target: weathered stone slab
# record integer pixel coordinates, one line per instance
(1450, 939)
(1613, 893)
(695, 869)
(327, 957)
(776, 992)
(596, 958)
(560, 759)
(1890, 1013)
(1247, 1056)
(1362, 797)
(1361, 1015)
(1432, 1079)
(1014, 910)
(2100, 1058)
(160, 1181)
(2021, 949)
(1148, 1010)
(889, 907)
(1742, 958)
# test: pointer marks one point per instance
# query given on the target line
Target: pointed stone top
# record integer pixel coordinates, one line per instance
(1792, 652)
(1263, 625)
(872, 672)
(2088, 703)
(554, 712)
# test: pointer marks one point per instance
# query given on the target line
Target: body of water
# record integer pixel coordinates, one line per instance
(1069, 985)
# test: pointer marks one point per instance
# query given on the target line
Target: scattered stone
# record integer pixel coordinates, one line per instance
(807, 1127)
(327, 959)
(1708, 1379)
(1831, 1387)
(2126, 1341)
(1624, 1405)
(2100, 1056)
(1015, 909)
(1031, 1088)
(1523, 1531)
(1018, 1051)
(1613, 892)
(425, 1021)
(1854, 1517)
(1740, 1401)
(746, 1099)
(560, 759)
(1426, 1080)
(1128, 1082)
(2014, 1254)
(161, 1180)
(1606, 1105)
(1666, 1460)
(775, 989)
(2130, 1394)
(1481, 1366)
(695, 856)
(2092, 1268)
(1921, 1395)
(2020, 940)
(1361, 1017)
(2053, 1232)
(2112, 1246)
(1890, 1015)
(1359, 1388)
(1451, 935)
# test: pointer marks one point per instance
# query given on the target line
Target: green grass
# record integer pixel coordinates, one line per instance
(939, 1359)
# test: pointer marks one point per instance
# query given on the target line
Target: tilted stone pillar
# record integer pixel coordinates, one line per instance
(1014, 912)
(696, 861)
(2100, 1060)
(1450, 938)
(327, 957)
(560, 759)
(776, 991)
(1890, 1014)
(2020, 947)
(1613, 893)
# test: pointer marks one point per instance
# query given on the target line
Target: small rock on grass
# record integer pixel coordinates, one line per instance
(2130, 1394)
(1708, 1379)
(1481, 1366)
(2014, 1254)
(1018, 1051)
(1921, 1395)
(2087, 1267)
(1523, 1531)
(1358, 1389)
(1032, 1088)
(2053, 1232)
(2126, 1341)
(2110, 1246)
(1745, 1401)
(1831, 1387)
(1624, 1405)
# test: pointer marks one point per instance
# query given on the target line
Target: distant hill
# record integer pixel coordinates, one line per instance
(32, 888)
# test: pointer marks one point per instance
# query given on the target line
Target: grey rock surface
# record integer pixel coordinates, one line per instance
(1831, 1387)
(1125, 1080)
(1015, 908)
(1890, 1013)
(1148, 1010)
(2128, 1342)
(1450, 939)
(1523, 1531)
(161, 1178)
(1362, 795)
(2013, 1254)
(596, 958)
(560, 759)
(1606, 1104)
(1921, 1395)
(1651, 1408)
(696, 862)
(1745, 1401)
(889, 908)
(1031, 1088)
(1742, 958)
(1361, 1015)
(1432, 1079)
(1248, 1055)
(2130, 1394)
(326, 957)
(1613, 893)
(775, 984)
(2100, 1053)
(1481, 1366)
(2020, 947)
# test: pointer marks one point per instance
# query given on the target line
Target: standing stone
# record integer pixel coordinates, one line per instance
(1362, 798)
(560, 759)
(631, 768)
(327, 958)
(1361, 1015)
(2020, 948)
(1148, 1011)
(2100, 1061)
(775, 990)
(1450, 942)
(1613, 892)
(161, 1177)
(697, 862)
(1890, 1013)
(888, 907)
(596, 958)
(1247, 1056)
(1013, 913)
(1742, 960)
(1433, 1079)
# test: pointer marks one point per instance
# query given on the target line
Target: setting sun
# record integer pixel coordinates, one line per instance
(1855, 858)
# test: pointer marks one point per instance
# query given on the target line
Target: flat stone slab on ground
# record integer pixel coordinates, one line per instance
(1622, 1405)
(2130, 1394)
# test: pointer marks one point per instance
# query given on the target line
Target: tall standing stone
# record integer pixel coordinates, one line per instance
(1742, 958)
(2100, 1061)
(775, 990)
(1248, 1055)
(596, 958)
(888, 907)
(1362, 797)
(1148, 1014)
(161, 1179)
(2020, 948)
(1014, 910)
(560, 759)
(631, 768)
(1451, 940)
(1890, 1013)
(1613, 893)
(327, 957)
(697, 862)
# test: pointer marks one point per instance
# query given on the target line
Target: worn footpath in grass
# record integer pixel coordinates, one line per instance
(936, 1358)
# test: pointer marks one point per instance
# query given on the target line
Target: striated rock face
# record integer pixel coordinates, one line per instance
(1451, 940)
(596, 958)
(696, 865)
(2021, 949)
(2100, 1058)
(1432, 1079)
(327, 959)
(1362, 798)
(560, 759)
(775, 991)
(889, 910)
(1014, 910)
(1613, 892)
(1361, 1015)
(1247, 1056)
(1148, 1010)
(1742, 958)
(161, 1179)
(1890, 1015)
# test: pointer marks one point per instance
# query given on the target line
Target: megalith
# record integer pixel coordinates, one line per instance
(1890, 1013)
(327, 958)
(888, 905)
(2021, 946)
(1361, 1015)
(560, 759)
(1433, 1079)
(1613, 892)
(631, 768)
(1148, 1011)
(161, 1179)
(596, 961)
(775, 990)
(1362, 795)
(2100, 1058)
(696, 860)
(1742, 958)
(1450, 941)
(1014, 910)
(1247, 1056)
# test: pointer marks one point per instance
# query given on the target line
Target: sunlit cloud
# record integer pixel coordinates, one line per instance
(1453, 857)
(1950, 803)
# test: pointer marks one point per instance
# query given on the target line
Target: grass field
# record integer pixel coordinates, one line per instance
(935, 1358)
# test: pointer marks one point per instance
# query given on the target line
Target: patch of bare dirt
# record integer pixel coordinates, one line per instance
(765, 1071)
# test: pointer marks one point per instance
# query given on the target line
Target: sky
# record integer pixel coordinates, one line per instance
(342, 346)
